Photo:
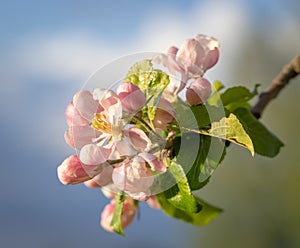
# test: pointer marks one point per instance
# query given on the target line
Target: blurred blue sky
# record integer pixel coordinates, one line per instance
(48, 49)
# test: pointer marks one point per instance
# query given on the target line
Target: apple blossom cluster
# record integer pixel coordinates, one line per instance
(124, 138)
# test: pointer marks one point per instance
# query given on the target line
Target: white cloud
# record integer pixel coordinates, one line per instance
(75, 55)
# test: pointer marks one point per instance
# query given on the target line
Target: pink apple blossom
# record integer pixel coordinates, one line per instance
(80, 113)
(193, 58)
(129, 210)
(198, 91)
(135, 178)
(198, 55)
(73, 171)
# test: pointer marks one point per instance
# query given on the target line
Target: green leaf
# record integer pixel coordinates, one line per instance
(217, 86)
(211, 151)
(265, 143)
(116, 222)
(214, 98)
(197, 116)
(180, 194)
(206, 114)
(138, 69)
(237, 97)
(229, 129)
(151, 81)
(206, 215)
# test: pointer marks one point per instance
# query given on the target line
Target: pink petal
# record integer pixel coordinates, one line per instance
(211, 59)
(138, 139)
(154, 162)
(165, 114)
(211, 46)
(153, 202)
(172, 51)
(129, 210)
(79, 136)
(85, 104)
(198, 92)
(133, 177)
(123, 148)
(208, 42)
(169, 62)
(110, 102)
(191, 55)
(92, 154)
(71, 171)
(132, 98)
(73, 116)
(101, 179)
(109, 190)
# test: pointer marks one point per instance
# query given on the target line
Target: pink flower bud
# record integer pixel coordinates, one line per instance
(71, 171)
(165, 114)
(198, 92)
(132, 98)
(172, 50)
(211, 47)
(199, 54)
(129, 210)
(133, 177)
(190, 55)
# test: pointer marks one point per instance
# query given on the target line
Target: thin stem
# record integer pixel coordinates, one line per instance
(288, 72)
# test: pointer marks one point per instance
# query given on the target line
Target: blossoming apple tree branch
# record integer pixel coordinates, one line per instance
(144, 142)
(287, 73)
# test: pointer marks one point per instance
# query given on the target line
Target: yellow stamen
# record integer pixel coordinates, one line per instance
(100, 123)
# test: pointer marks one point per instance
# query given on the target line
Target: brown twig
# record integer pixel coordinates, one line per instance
(288, 72)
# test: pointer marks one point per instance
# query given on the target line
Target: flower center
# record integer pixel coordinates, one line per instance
(100, 123)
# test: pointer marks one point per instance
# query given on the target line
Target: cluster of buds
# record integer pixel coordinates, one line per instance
(119, 147)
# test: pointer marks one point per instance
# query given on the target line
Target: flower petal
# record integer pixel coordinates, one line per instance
(198, 92)
(110, 102)
(129, 210)
(191, 55)
(153, 202)
(101, 179)
(71, 171)
(73, 116)
(133, 177)
(154, 162)
(132, 98)
(137, 138)
(165, 114)
(92, 154)
(79, 136)
(85, 104)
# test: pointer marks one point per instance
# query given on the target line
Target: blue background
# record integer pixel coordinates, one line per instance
(49, 49)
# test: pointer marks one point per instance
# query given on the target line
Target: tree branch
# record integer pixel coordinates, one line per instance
(288, 72)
